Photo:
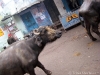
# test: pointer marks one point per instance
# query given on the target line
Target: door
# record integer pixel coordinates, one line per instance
(52, 10)
(29, 21)
(41, 15)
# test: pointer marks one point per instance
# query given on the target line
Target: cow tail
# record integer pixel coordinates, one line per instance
(82, 23)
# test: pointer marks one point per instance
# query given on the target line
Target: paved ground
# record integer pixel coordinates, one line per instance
(73, 54)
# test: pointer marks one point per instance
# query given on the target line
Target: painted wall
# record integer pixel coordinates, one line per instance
(19, 23)
(60, 7)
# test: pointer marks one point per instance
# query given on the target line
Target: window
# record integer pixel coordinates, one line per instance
(73, 4)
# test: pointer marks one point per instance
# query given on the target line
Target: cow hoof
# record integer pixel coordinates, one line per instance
(94, 39)
(49, 72)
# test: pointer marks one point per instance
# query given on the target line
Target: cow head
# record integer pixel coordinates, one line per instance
(46, 34)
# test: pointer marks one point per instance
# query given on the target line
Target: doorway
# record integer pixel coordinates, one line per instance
(29, 21)
(72, 5)
(52, 9)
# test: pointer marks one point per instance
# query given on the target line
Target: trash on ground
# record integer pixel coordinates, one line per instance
(77, 54)
(90, 44)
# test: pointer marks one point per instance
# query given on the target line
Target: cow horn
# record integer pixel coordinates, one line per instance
(36, 32)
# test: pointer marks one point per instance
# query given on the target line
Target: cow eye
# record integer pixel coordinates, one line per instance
(39, 39)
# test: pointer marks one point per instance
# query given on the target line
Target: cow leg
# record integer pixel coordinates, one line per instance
(31, 70)
(88, 31)
(43, 68)
(95, 29)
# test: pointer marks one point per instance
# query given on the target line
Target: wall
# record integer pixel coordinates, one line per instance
(14, 6)
(3, 40)
(19, 24)
(10, 7)
(60, 7)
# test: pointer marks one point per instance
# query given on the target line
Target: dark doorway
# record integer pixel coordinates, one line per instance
(52, 10)
(72, 5)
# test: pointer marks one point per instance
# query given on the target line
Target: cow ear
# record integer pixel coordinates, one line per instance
(38, 41)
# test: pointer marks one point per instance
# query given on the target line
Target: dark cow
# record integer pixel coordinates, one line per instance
(22, 56)
(90, 11)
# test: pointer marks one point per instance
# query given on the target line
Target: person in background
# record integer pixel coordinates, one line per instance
(4, 47)
(74, 3)
(10, 39)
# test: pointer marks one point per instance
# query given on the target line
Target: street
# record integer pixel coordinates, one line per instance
(72, 54)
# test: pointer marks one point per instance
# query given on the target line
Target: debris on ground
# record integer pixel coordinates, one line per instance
(74, 38)
(77, 54)
(90, 44)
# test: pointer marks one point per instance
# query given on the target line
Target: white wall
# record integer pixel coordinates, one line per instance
(3, 40)
(19, 23)
(12, 7)
(60, 6)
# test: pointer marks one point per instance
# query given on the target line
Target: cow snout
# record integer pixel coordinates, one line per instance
(58, 34)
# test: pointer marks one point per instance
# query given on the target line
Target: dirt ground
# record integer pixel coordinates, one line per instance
(72, 54)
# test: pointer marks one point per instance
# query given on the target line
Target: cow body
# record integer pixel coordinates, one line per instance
(22, 57)
(19, 58)
(90, 12)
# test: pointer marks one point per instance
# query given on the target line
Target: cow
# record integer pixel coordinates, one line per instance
(90, 11)
(22, 56)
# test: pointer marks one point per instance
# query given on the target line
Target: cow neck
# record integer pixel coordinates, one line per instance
(34, 46)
